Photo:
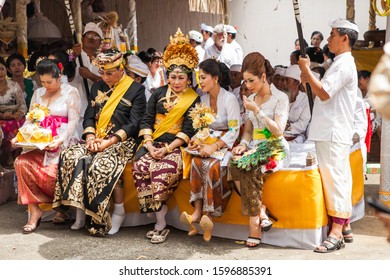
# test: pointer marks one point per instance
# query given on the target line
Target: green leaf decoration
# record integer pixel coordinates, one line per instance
(265, 151)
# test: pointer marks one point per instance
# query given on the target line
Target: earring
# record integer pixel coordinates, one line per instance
(188, 82)
(215, 82)
(263, 81)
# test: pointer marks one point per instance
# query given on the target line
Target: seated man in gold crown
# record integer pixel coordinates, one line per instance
(89, 173)
(166, 127)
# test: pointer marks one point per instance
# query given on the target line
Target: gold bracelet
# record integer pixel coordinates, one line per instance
(147, 140)
(169, 150)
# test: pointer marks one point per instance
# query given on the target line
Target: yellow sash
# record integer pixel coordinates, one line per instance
(176, 113)
(112, 103)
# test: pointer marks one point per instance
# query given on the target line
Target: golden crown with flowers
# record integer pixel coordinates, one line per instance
(180, 52)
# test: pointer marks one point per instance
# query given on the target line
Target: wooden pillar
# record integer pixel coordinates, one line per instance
(78, 22)
(131, 29)
(21, 19)
(350, 10)
(226, 12)
(372, 18)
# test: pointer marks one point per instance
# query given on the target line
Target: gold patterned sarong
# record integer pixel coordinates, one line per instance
(86, 181)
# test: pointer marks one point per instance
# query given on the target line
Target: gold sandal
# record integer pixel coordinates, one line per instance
(187, 220)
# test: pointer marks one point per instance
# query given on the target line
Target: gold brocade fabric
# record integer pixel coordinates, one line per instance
(175, 128)
(86, 181)
(251, 189)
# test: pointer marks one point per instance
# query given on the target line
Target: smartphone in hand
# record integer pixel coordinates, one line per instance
(377, 205)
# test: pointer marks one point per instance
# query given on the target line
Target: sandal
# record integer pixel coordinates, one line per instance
(60, 218)
(187, 220)
(348, 239)
(30, 228)
(207, 225)
(254, 240)
(160, 236)
(151, 233)
(266, 224)
(331, 244)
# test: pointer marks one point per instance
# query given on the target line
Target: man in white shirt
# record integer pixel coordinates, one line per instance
(207, 33)
(235, 87)
(196, 40)
(221, 50)
(231, 39)
(331, 129)
(299, 115)
(91, 40)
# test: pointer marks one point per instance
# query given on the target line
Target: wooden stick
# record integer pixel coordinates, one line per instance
(302, 49)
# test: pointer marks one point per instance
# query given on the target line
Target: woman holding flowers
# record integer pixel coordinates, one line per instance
(267, 113)
(165, 128)
(217, 132)
(56, 107)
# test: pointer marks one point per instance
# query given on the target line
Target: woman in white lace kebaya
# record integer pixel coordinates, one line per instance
(262, 145)
(210, 191)
(12, 111)
(37, 169)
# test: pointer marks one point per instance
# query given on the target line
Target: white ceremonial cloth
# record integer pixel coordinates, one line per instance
(333, 161)
(299, 117)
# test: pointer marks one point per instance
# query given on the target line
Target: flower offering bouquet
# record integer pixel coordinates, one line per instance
(32, 134)
(202, 117)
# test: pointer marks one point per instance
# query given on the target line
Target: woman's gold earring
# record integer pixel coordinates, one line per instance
(188, 82)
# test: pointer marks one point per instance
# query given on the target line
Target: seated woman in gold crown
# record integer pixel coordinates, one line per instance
(166, 127)
(88, 174)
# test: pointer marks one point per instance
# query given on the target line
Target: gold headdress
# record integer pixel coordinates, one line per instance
(180, 52)
(109, 59)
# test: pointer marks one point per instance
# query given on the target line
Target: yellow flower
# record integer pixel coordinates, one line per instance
(196, 124)
(202, 116)
(38, 113)
(209, 118)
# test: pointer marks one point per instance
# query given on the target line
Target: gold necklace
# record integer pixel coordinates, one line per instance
(169, 104)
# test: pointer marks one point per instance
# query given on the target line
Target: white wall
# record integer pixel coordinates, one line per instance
(268, 26)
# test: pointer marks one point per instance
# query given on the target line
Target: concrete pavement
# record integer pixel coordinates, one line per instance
(53, 242)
